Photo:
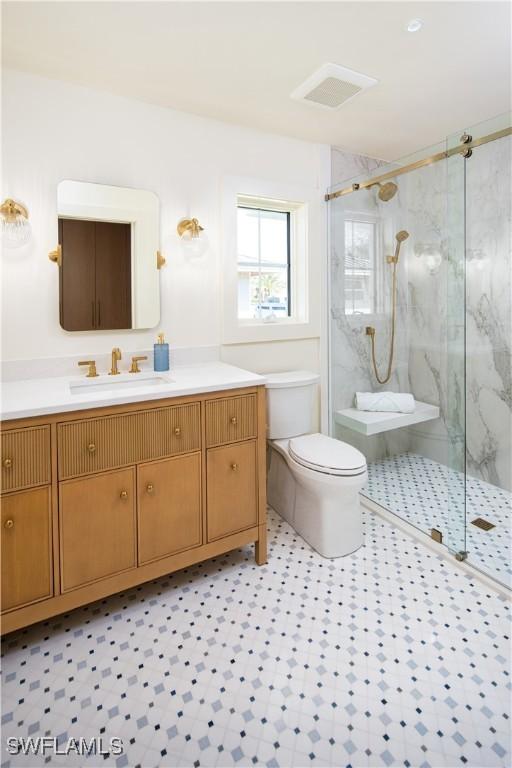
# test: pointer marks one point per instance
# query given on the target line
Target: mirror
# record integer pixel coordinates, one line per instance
(109, 239)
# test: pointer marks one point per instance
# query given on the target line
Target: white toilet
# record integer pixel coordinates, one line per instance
(314, 480)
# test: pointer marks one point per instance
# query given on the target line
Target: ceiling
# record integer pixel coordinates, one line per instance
(239, 62)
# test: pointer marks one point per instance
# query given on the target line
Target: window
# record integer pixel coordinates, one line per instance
(264, 263)
(274, 245)
(360, 266)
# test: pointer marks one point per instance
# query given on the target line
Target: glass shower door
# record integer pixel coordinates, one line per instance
(455, 348)
(488, 332)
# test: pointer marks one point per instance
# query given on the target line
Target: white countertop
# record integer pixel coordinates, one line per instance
(37, 397)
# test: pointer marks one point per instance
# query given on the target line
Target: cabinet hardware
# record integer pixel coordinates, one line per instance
(177, 431)
(150, 487)
(234, 467)
(9, 523)
(7, 463)
(234, 420)
(123, 495)
(91, 448)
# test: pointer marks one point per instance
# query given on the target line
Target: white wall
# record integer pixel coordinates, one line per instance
(54, 131)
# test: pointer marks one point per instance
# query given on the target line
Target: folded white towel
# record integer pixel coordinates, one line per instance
(394, 402)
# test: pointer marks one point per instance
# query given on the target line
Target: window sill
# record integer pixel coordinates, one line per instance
(280, 331)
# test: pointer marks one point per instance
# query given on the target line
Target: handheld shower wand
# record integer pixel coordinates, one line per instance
(370, 330)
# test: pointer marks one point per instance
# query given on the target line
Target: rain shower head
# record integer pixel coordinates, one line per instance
(387, 191)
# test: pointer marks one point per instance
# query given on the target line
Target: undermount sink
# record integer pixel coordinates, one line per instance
(118, 383)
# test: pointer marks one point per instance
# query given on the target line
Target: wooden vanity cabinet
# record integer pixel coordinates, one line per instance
(169, 494)
(96, 502)
(26, 512)
(98, 527)
(26, 548)
(231, 482)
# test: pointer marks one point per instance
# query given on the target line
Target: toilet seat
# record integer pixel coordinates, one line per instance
(326, 455)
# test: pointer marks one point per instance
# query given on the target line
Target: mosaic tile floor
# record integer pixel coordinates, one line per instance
(388, 657)
(430, 495)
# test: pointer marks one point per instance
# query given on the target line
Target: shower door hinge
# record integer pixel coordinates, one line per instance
(436, 535)
(460, 556)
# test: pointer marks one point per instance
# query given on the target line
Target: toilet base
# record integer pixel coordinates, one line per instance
(324, 509)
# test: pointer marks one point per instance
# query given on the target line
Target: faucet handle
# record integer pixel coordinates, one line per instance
(135, 360)
(92, 372)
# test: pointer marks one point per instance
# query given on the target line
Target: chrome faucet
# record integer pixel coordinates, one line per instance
(116, 356)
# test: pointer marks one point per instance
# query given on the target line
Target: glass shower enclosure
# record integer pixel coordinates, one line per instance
(435, 304)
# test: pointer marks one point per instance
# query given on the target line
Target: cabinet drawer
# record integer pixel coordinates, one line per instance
(25, 458)
(97, 527)
(230, 419)
(26, 548)
(95, 445)
(231, 489)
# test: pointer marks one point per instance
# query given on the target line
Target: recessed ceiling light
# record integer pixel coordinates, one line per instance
(414, 25)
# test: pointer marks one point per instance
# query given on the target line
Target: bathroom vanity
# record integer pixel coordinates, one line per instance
(104, 490)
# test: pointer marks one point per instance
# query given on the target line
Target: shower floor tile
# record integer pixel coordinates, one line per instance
(431, 495)
(391, 656)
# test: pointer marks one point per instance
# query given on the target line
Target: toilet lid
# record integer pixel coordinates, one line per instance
(325, 454)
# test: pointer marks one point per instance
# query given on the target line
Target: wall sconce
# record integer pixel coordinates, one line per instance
(15, 225)
(189, 229)
(191, 233)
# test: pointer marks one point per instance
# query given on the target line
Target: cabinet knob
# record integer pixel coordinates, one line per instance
(234, 420)
(7, 463)
(234, 467)
(123, 495)
(150, 487)
(177, 431)
(91, 447)
(9, 523)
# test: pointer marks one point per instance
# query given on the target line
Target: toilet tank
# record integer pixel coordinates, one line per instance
(290, 403)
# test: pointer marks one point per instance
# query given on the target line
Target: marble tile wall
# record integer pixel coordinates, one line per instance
(434, 328)
(488, 318)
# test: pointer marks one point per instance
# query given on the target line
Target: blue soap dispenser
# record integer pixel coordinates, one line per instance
(161, 354)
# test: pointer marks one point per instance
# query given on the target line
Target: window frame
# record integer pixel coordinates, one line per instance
(308, 259)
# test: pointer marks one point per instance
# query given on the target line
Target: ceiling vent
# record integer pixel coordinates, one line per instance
(331, 86)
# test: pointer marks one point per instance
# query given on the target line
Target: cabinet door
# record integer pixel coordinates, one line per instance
(97, 527)
(26, 548)
(169, 494)
(113, 275)
(77, 275)
(231, 489)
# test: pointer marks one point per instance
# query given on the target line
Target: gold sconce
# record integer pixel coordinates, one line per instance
(56, 256)
(15, 224)
(160, 260)
(193, 240)
(189, 229)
